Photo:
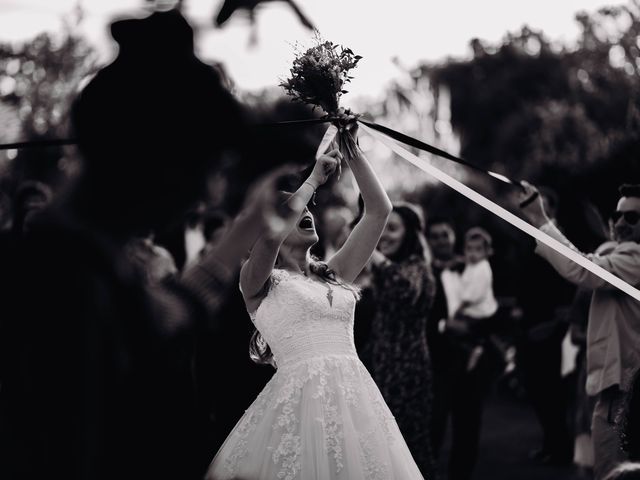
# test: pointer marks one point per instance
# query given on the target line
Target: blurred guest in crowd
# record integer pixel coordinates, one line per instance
(542, 295)
(441, 237)
(613, 334)
(403, 289)
(469, 327)
(95, 366)
(470, 292)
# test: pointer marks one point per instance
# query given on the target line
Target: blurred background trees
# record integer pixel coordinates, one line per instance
(528, 107)
(38, 80)
(565, 118)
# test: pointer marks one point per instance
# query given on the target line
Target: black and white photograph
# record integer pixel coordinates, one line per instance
(319, 240)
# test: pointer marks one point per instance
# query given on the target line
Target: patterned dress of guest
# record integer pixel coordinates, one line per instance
(398, 350)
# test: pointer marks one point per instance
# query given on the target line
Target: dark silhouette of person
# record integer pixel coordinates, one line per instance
(629, 421)
(95, 361)
(459, 391)
(540, 348)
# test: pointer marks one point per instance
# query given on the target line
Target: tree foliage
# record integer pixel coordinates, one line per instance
(38, 80)
(533, 109)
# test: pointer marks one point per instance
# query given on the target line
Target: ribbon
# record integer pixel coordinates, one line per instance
(401, 137)
(412, 142)
(328, 137)
(389, 137)
(505, 214)
(56, 142)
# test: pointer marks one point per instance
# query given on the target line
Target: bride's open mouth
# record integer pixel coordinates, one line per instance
(306, 223)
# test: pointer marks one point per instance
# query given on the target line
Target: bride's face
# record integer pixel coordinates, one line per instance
(304, 234)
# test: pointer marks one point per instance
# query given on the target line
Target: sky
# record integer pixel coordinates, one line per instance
(391, 35)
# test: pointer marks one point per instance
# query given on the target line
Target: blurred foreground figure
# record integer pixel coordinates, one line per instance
(613, 333)
(95, 361)
(539, 345)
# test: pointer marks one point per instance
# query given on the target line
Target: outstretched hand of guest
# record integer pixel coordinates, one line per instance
(531, 205)
(263, 203)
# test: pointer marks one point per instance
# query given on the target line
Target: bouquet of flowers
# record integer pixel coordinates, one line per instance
(318, 78)
(318, 75)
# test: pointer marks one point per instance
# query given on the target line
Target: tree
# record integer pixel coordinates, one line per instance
(38, 80)
(536, 110)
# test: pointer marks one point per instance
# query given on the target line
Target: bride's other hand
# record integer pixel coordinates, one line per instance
(326, 165)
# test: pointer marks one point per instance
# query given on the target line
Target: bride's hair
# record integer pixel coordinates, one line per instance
(259, 350)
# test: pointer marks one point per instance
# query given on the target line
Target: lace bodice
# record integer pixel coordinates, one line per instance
(301, 318)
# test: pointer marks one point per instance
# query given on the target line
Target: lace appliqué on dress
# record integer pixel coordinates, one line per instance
(291, 382)
(374, 469)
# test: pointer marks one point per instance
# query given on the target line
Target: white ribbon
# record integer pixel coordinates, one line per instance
(505, 214)
(329, 135)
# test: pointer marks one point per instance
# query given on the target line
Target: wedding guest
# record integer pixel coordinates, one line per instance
(441, 238)
(539, 345)
(403, 288)
(470, 292)
(613, 332)
(470, 329)
(95, 365)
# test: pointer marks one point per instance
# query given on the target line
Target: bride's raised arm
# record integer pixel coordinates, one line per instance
(349, 261)
(257, 269)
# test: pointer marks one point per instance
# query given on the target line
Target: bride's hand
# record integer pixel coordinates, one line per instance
(348, 121)
(325, 166)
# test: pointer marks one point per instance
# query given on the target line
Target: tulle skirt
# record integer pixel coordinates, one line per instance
(322, 418)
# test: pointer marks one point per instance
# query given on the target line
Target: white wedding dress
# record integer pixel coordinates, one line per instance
(321, 416)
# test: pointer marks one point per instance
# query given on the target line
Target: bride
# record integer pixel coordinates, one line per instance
(321, 416)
